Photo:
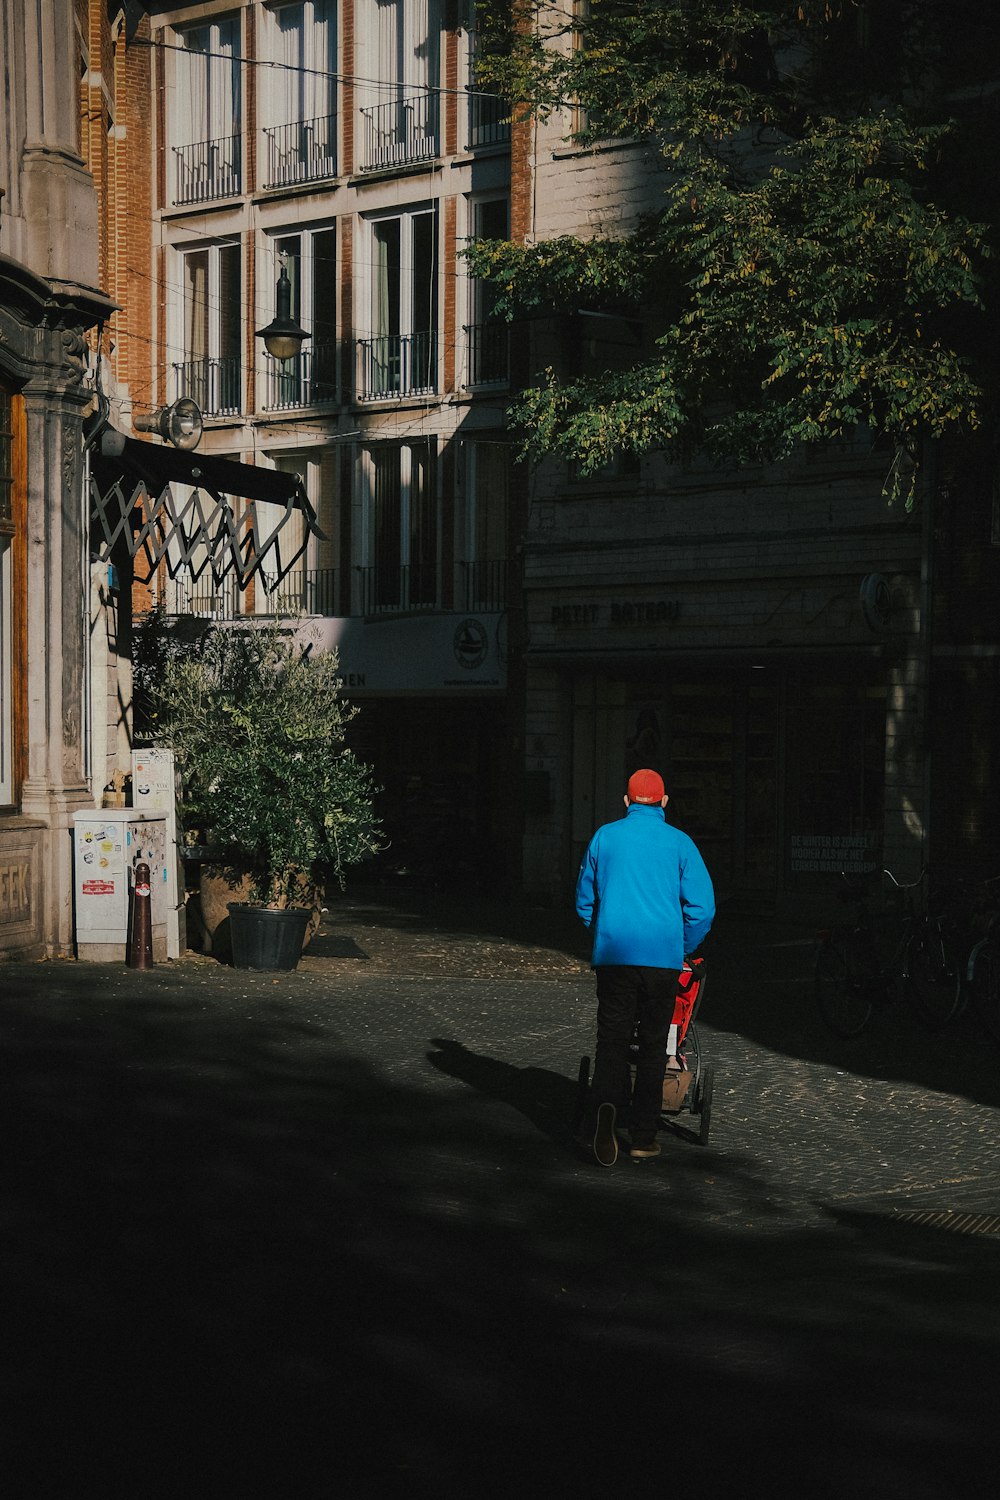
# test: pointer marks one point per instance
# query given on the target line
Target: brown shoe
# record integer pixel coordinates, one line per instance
(641, 1151)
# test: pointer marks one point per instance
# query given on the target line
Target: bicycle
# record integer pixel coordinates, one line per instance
(982, 970)
(858, 965)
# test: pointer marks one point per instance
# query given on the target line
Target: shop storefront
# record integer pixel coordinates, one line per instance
(775, 768)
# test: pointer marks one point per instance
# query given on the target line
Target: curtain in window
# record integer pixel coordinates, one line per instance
(287, 80)
(196, 305)
(223, 82)
(387, 526)
(191, 122)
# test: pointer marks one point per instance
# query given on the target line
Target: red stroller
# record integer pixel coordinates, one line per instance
(687, 1081)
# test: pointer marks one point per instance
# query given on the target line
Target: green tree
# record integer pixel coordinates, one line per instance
(813, 266)
(257, 721)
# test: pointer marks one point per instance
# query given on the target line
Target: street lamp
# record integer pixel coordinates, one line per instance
(282, 336)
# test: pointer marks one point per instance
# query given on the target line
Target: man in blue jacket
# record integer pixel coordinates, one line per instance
(645, 892)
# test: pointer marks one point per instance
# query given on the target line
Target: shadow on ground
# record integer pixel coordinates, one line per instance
(238, 1261)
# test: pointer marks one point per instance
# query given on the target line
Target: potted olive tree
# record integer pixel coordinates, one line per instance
(256, 720)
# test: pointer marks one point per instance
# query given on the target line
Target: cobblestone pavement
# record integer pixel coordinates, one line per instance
(294, 1234)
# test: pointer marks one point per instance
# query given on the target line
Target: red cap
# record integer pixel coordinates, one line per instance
(645, 786)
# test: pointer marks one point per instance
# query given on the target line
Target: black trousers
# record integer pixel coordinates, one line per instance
(626, 994)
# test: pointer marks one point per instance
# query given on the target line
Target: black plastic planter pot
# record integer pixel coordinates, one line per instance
(263, 938)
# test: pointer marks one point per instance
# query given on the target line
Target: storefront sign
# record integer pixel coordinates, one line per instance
(618, 612)
(817, 854)
(419, 654)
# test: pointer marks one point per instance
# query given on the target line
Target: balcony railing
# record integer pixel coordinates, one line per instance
(388, 590)
(310, 591)
(213, 383)
(305, 151)
(308, 379)
(489, 353)
(397, 364)
(489, 119)
(483, 585)
(208, 169)
(204, 598)
(399, 133)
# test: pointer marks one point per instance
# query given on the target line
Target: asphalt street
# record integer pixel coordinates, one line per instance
(325, 1232)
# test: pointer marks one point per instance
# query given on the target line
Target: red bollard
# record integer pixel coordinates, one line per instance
(141, 951)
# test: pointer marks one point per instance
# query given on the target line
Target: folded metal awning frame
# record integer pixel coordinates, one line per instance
(197, 513)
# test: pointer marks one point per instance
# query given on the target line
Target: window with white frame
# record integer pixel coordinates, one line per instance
(400, 356)
(206, 115)
(209, 334)
(309, 378)
(298, 92)
(488, 338)
(400, 113)
(400, 528)
(483, 565)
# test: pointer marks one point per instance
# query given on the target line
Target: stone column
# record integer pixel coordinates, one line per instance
(55, 785)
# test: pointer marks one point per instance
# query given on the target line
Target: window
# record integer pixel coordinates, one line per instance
(309, 378)
(400, 358)
(489, 116)
(298, 99)
(402, 50)
(488, 339)
(400, 529)
(206, 122)
(211, 336)
(11, 534)
(482, 582)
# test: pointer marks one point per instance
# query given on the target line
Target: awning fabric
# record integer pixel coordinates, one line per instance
(196, 513)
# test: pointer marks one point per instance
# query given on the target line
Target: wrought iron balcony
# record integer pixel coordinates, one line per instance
(309, 591)
(489, 353)
(208, 169)
(391, 590)
(489, 119)
(397, 364)
(308, 379)
(483, 585)
(203, 598)
(214, 383)
(305, 151)
(399, 133)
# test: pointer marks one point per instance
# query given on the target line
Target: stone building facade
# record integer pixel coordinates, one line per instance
(765, 638)
(49, 303)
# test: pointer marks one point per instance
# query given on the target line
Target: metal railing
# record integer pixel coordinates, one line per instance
(483, 585)
(307, 379)
(489, 353)
(397, 364)
(208, 169)
(400, 132)
(206, 599)
(310, 591)
(214, 383)
(304, 151)
(385, 590)
(489, 118)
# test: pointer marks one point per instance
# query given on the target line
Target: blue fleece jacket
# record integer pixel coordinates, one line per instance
(644, 890)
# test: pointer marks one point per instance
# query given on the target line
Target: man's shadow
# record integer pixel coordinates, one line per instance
(548, 1100)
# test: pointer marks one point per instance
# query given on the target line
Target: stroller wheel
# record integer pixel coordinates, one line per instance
(703, 1108)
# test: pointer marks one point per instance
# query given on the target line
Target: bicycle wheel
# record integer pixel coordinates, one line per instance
(984, 981)
(843, 988)
(934, 979)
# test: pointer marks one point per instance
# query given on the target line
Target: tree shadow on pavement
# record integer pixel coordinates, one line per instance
(239, 1259)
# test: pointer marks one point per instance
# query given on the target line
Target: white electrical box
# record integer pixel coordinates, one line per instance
(108, 843)
(154, 789)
